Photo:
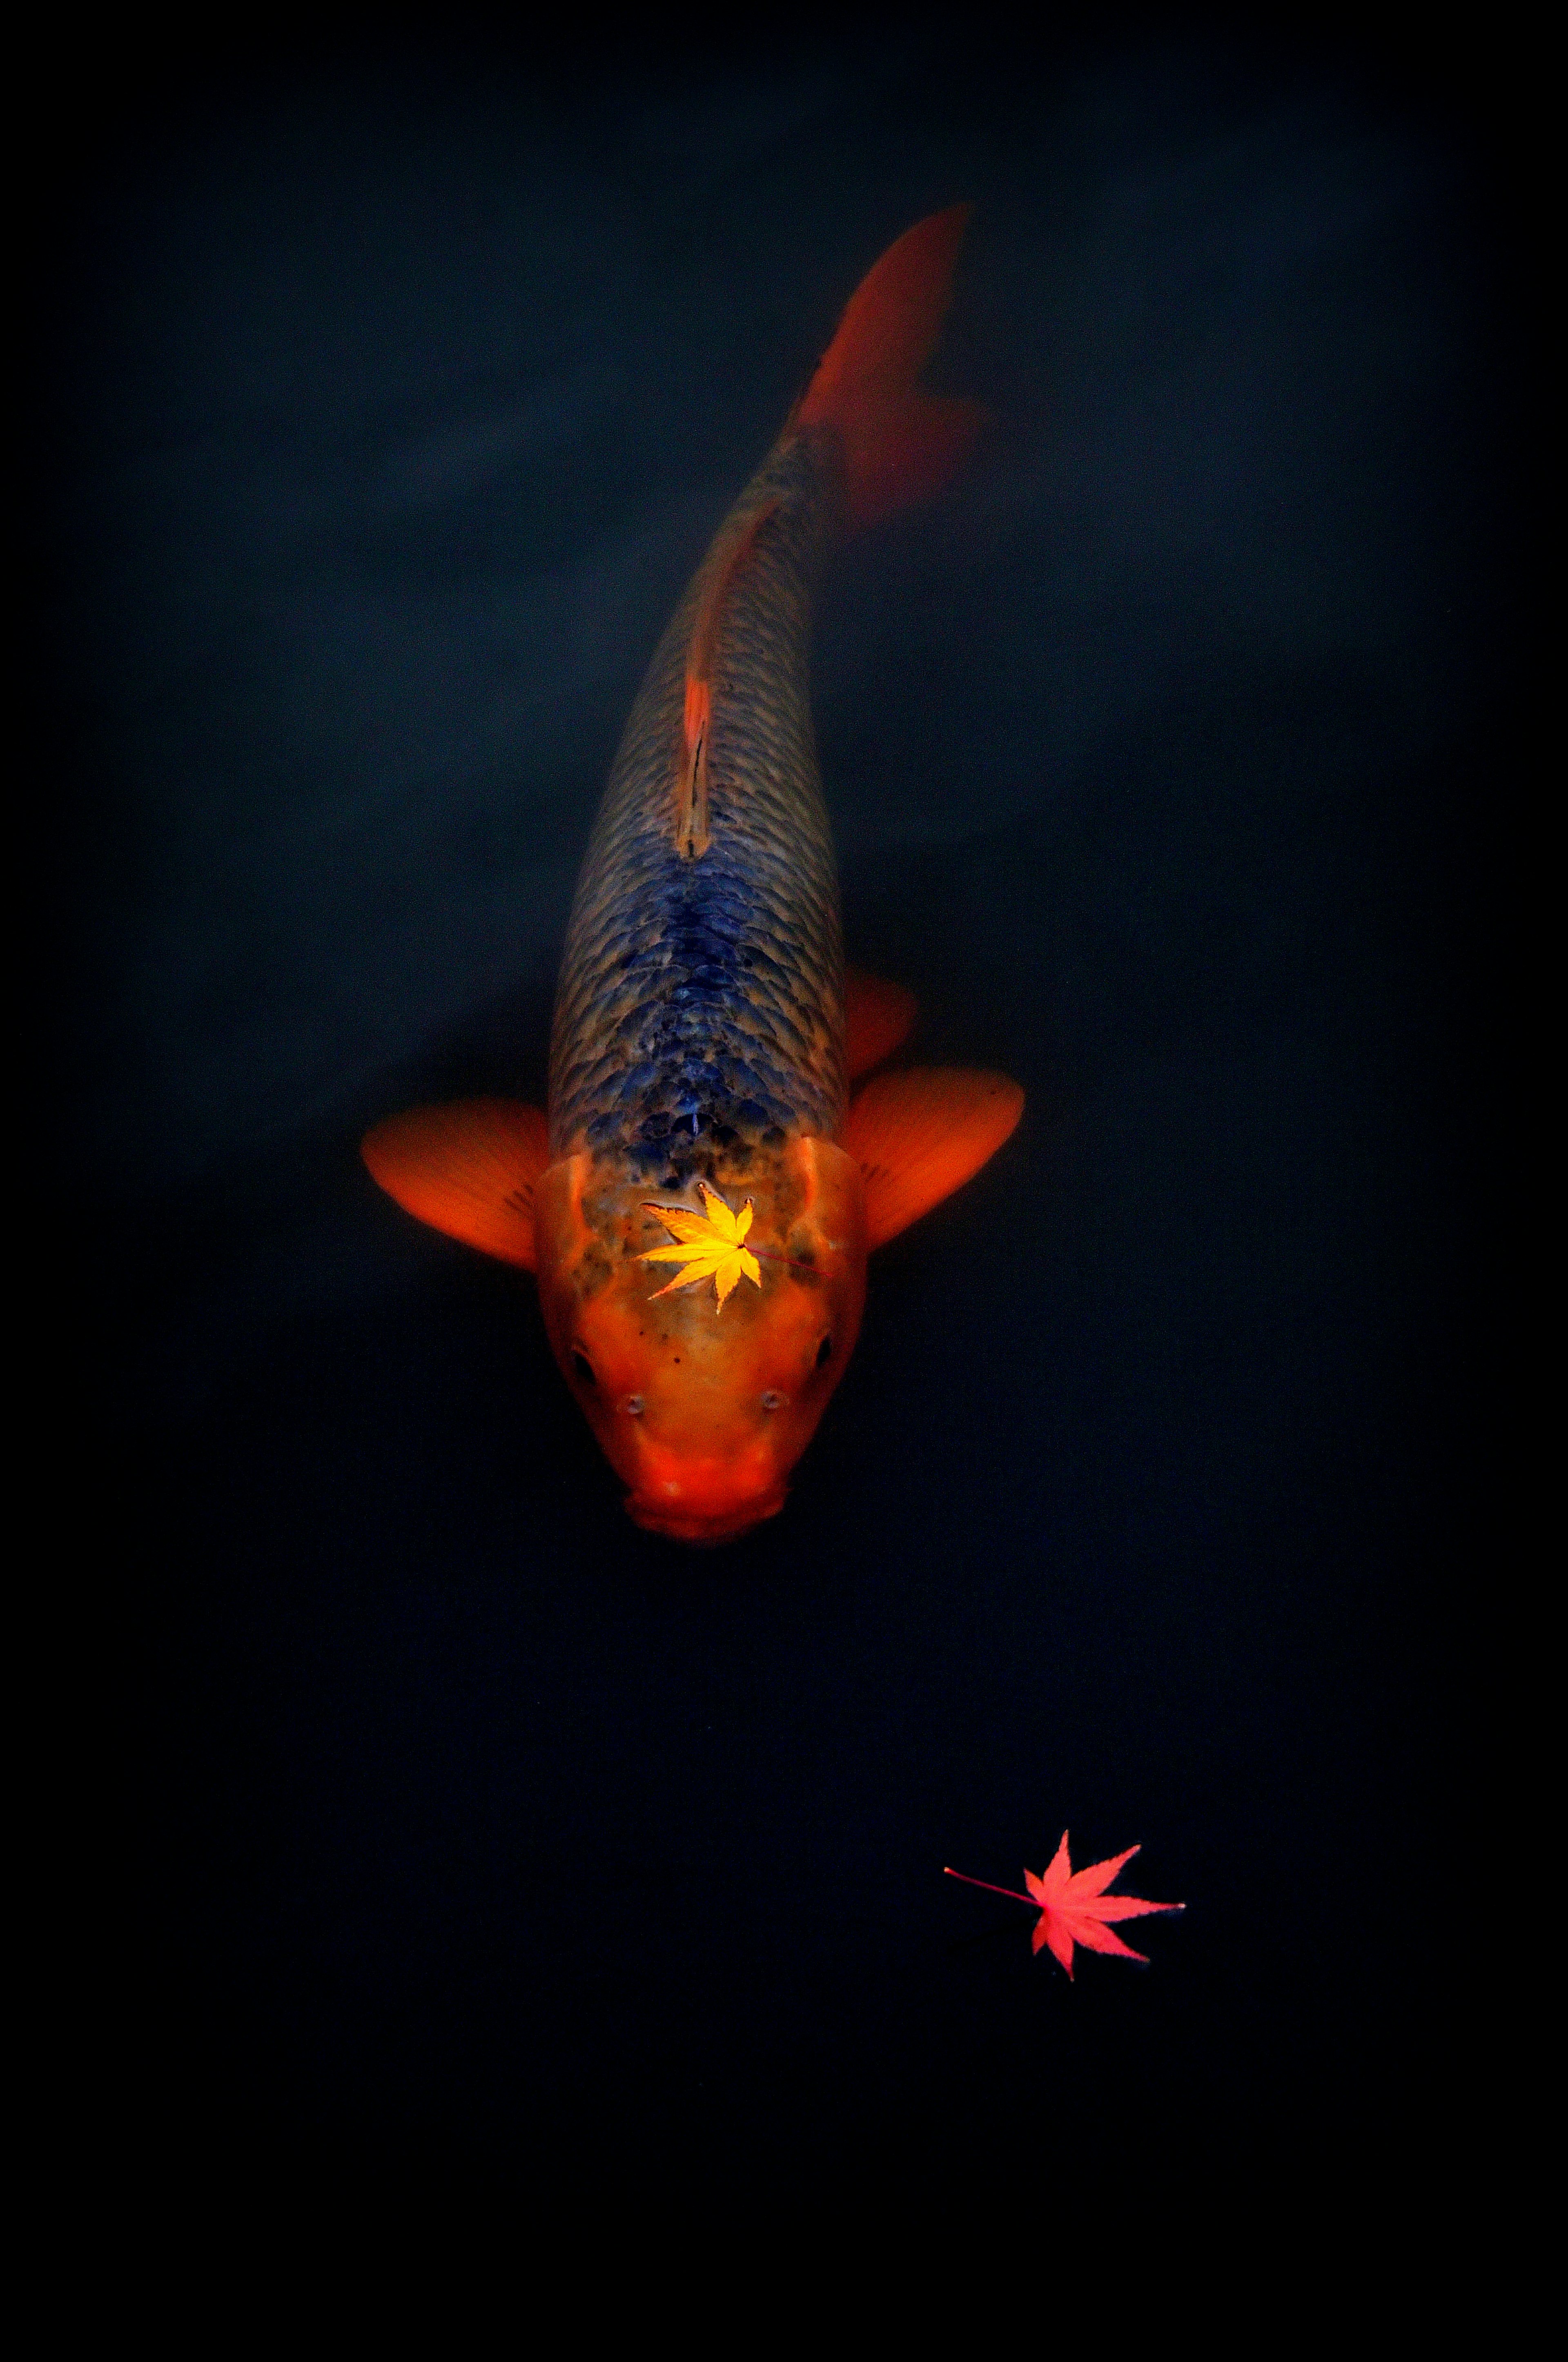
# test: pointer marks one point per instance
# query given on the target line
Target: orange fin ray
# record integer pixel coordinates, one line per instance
(898, 443)
(469, 1169)
(920, 1134)
(879, 1016)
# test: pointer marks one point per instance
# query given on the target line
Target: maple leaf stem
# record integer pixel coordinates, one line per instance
(989, 1887)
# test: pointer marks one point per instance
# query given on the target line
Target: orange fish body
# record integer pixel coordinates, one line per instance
(700, 1207)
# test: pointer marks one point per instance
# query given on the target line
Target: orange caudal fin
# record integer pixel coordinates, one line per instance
(919, 1135)
(898, 443)
(877, 1015)
(467, 1169)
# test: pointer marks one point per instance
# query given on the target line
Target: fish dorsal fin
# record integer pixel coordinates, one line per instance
(469, 1168)
(691, 790)
(877, 1017)
(919, 1135)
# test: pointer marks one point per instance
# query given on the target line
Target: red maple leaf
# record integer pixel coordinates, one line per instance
(1074, 1906)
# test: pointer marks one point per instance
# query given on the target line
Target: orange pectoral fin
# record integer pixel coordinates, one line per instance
(879, 1016)
(919, 1135)
(467, 1169)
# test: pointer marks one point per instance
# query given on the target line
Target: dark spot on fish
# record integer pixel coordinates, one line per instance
(592, 1270)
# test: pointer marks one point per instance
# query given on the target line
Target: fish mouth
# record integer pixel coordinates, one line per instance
(703, 1528)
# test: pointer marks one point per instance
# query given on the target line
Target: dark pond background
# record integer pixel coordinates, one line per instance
(391, 392)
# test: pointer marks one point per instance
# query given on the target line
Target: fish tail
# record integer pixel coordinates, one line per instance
(899, 444)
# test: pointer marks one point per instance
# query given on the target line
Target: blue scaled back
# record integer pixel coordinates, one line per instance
(699, 1016)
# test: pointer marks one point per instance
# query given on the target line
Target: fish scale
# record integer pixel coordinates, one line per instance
(699, 1016)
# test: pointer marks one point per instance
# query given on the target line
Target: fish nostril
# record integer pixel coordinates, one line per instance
(824, 1351)
(773, 1399)
(633, 1406)
(583, 1366)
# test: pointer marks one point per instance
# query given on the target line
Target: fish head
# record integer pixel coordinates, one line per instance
(704, 1407)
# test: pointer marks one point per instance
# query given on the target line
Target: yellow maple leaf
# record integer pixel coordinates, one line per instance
(710, 1245)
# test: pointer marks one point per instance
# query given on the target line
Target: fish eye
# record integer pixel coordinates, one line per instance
(773, 1399)
(823, 1351)
(583, 1366)
(633, 1406)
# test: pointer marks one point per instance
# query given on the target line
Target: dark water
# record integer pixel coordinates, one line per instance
(394, 397)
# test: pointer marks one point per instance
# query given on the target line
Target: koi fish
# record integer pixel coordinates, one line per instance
(706, 1033)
